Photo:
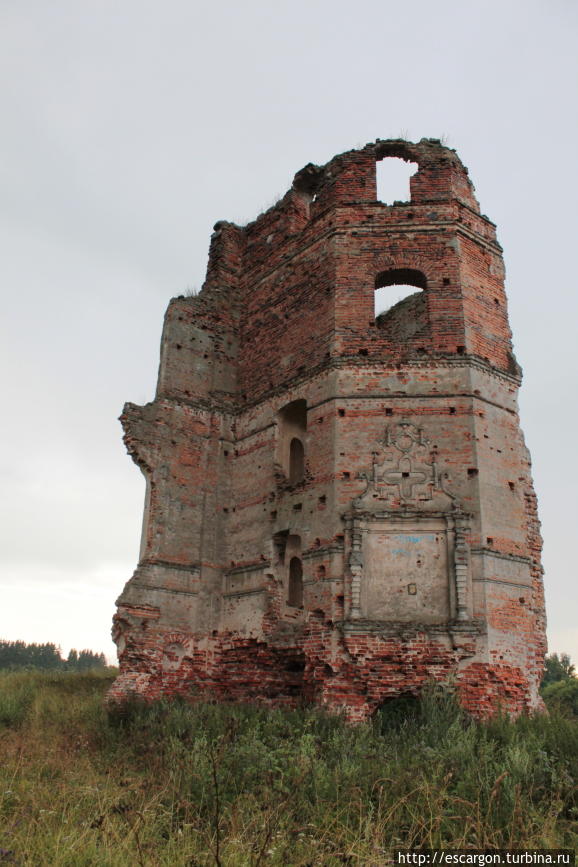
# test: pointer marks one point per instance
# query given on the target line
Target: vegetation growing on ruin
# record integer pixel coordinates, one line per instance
(237, 785)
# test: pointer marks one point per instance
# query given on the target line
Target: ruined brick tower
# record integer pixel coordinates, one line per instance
(339, 506)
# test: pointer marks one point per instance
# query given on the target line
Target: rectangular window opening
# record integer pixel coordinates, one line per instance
(392, 176)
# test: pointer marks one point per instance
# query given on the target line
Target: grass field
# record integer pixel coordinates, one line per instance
(237, 785)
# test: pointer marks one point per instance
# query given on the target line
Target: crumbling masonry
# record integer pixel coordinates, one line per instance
(339, 506)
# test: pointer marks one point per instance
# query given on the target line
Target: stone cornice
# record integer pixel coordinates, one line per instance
(339, 363)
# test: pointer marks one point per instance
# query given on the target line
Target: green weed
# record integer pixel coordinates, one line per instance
(178, 784)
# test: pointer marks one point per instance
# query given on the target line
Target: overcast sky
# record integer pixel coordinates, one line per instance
(130, 127)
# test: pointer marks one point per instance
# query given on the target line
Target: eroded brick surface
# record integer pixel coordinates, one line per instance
(339, 507)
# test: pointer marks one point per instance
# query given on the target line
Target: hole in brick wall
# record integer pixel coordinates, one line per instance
(321, 572)
(392, 176)
(472, 472)
(341, 412)
(496, 302)
(452, 410)
(521, 600)
(322, 500)
(388, 411)
(489, 540)
(178, 345)
(297, 507)
(511, 486)
(363, 351)
(460, 350)
(346, 475)
(394, 286)
(295, 665)
(397, 711)
(446, 281)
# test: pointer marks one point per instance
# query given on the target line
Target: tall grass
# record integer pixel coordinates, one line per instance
(238, 785)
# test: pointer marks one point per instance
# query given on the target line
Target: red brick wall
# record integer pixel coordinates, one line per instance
(287, 313)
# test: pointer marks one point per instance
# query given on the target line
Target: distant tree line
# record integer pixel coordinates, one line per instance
(18, 654)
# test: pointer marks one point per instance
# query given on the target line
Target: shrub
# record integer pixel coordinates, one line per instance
(562, 696)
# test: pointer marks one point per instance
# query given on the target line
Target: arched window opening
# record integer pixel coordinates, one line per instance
(295, 595)
(387, 297)
(394, 286)
(291, 441)
(296, 461)
(392, 176)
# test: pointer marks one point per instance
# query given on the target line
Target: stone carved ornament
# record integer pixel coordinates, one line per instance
(404, 474)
